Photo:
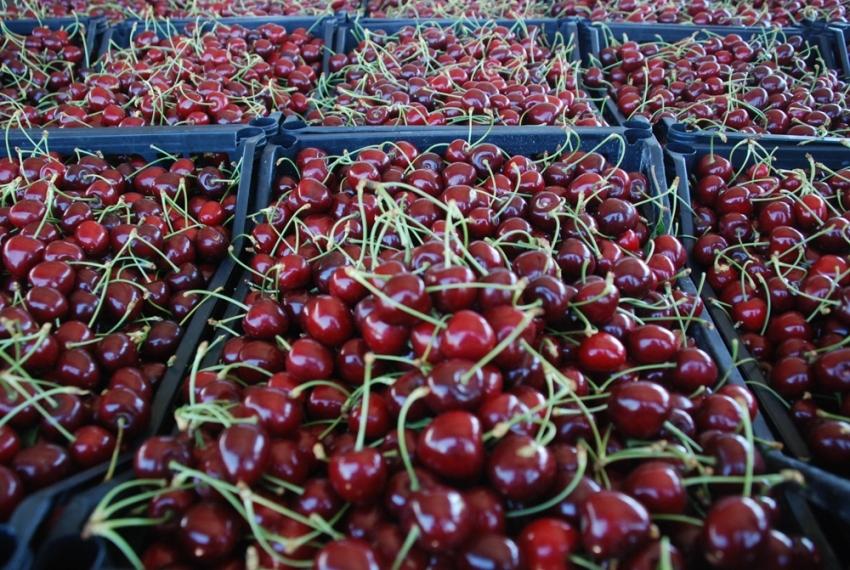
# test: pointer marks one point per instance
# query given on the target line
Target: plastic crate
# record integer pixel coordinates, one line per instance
(839, 34)
(63, 541)
(92, 29)
(97, 554)
(348, 36)
(27, 521)
(824, 487)
(595, 36)
(641, 151)
(121, 34)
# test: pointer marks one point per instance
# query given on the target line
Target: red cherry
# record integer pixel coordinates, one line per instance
(346, 554)
(244, 450)
(521, 469)
(735, 533)
(547, 543)
(601, 353)
(358, 477)
(209, 532)
(613, 524)
(467, 335)
(639, 409)
(451, 446)
(444, 518)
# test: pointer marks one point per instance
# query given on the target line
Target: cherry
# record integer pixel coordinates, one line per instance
(92, 445)
(521, 469)
(153, 457)
(467, 335)
(735, 533)
(245, 451)
(209, 531)
(658, 487)
(346, 554)
(613, 524)
(404, 290)
(265, 320)
(277, 411)
(455, 385)
(651, 344)
(308, 360)
(547, 543)
(601, 353)
(42, 464)
(490, 550)
(639, 409)
(828, 440)
(10, 444)
(358, 476)
(444, 518)
(452, 447)
(328, 320)
(11, 492)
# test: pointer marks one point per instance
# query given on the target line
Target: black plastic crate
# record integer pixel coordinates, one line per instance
(63, 542)
(346, 38)
(96, 553)
(595, 36)
(91, 30)
(825, 489)
(839, 34)
(549, 5)
(121, 34)
(349, 34)
(26, 523)
(640, 150)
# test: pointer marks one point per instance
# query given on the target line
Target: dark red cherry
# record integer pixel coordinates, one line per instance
(245, 451)
(548, 543)
(735, 533)
(358, 477)
(521, 469)
(452, 446)
(209, 532)
(347, 554)
(613, 525)
(444, 518)
(639, 409)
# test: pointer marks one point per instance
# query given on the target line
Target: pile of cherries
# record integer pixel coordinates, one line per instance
(228, 75)
(429, 75)
(458, 360)
(103, 262)
(774, 245)
(510, 9)
(768, 84)
(36, 68)
(779, 13)
(117, 11)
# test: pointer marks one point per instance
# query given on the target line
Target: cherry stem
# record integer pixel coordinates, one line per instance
(415, 395)
(196, 365)
(784, 476)
(414, 534)
(301, 388)
(683, 437)
(369, 361)
(676, 518)
(751, 448)
(114, 461)
(284, 484)
(579, 561)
